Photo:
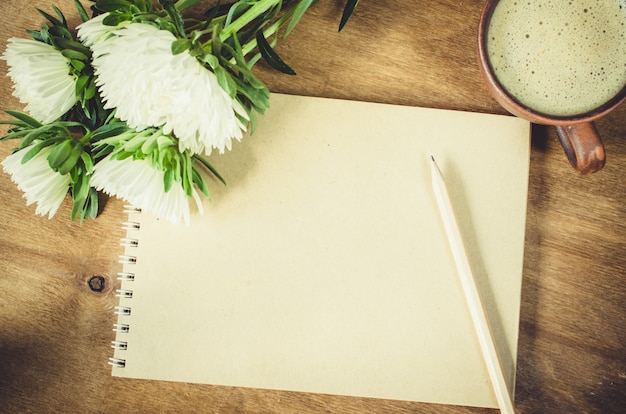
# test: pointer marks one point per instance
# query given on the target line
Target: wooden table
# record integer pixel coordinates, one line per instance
(55, 331)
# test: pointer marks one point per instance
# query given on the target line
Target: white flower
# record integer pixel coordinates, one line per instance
(139, 183)
(150, 87)
(41, 78)
(37, 180)
(94, 30)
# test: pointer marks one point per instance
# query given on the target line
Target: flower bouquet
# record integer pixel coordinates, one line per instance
(133, 101)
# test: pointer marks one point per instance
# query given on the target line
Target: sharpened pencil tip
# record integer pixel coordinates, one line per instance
(434, 168)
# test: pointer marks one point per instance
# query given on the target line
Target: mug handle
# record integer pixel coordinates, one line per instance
(583, 146)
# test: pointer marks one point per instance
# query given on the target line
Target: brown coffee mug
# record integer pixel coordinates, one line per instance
(577, 133)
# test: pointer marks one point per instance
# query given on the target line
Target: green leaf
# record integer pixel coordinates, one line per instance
(24, 117)
(347, 12)
(200, 183)
(253, 81)
(44, 33)
(112, 5)
(61, 32)
(150, 144)
(87, 162)
(209, 167)
(74, 175)
(134, 144)
(180, 45)
(270, 55)
(73, 158)
(183, 4)
(78, 209)
(174, 14)
(90, 91)
(59, 154)
(253, 122)
(211, 60)
(79, 65)
(235, 11)
(80, 189)
(30, 137)
(164, 141)
(259, 98)
(168, 180)
(71, 44)
(226, 81)
(187, 177)
(61, 17)
(115, 19)
(16, 122)
(92, 211)
(121, 155)
(81, 11)
(35, 150)
(41, 36)
(14, 135)
(50, 18)
(298, 12)
(73, 54)
(86, 207)
(109, 130)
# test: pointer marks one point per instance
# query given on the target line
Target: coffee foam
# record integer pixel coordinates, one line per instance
(559, 57)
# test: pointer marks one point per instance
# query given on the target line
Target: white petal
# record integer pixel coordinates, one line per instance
(94, 30)
(139, 183)
(161, 89)
(41, 78)
(38, 181)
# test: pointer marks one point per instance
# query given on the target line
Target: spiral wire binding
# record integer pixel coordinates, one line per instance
(127, 259)
(119, 345)
(128, 209)
(124, 293)
(125, 276)
(122, 310)
(129, 225)
(121, 327)
(126, 242)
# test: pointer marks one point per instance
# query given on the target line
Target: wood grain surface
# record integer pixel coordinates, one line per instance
(55, 331)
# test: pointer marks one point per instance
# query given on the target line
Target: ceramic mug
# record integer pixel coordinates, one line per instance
(557, 62)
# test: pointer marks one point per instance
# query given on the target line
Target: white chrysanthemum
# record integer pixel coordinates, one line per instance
(94, 30)
(149, 86)
(38, 181)
(41, 78)
(139, 183)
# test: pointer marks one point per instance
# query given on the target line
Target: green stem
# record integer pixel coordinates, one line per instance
(252, 13)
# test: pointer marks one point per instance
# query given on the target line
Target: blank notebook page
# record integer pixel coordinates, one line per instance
(323, 266)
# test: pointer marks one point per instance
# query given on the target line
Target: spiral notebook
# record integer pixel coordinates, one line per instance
(322, 266)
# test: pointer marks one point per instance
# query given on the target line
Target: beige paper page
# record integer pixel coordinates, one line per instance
(323, 265)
